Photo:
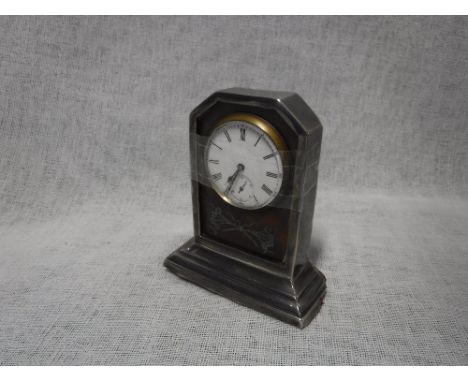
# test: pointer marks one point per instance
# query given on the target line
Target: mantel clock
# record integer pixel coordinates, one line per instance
(254, 163)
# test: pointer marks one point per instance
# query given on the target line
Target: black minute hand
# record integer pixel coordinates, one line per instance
(232, 178)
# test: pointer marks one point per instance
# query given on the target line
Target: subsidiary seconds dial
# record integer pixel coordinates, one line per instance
(244, 161)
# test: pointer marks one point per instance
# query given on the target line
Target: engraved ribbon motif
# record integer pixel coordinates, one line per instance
(222, 222)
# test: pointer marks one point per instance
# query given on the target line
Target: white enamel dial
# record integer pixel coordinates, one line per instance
(243, 164)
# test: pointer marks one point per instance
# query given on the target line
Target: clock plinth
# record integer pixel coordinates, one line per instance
(294, 300)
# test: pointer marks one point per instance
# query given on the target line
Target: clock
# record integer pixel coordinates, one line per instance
(254, 165)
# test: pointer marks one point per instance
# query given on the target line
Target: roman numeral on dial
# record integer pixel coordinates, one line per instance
(272, 174)
(215, 161)
(266, 189)
(242, 133)
(216, 145)
(216, 176)
(258, 140)
(228, 137)
(269, 156)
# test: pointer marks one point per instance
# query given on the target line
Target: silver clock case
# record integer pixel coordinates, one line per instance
(292, 289)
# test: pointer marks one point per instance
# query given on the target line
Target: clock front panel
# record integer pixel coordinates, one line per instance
(240, 204)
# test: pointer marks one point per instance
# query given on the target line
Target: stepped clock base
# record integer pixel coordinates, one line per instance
(295, 301)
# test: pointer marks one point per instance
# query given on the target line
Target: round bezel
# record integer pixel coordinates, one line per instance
(272, 139)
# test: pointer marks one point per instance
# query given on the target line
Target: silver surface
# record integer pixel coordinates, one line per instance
(95, 187)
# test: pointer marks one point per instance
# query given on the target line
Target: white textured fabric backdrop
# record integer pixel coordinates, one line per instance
(94, 187)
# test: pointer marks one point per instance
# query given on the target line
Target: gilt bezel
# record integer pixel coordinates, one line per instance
(269, 131)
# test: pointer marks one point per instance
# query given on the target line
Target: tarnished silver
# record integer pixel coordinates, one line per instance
(258, 258)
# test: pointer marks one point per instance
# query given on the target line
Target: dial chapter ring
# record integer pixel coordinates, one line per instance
(268, 130)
